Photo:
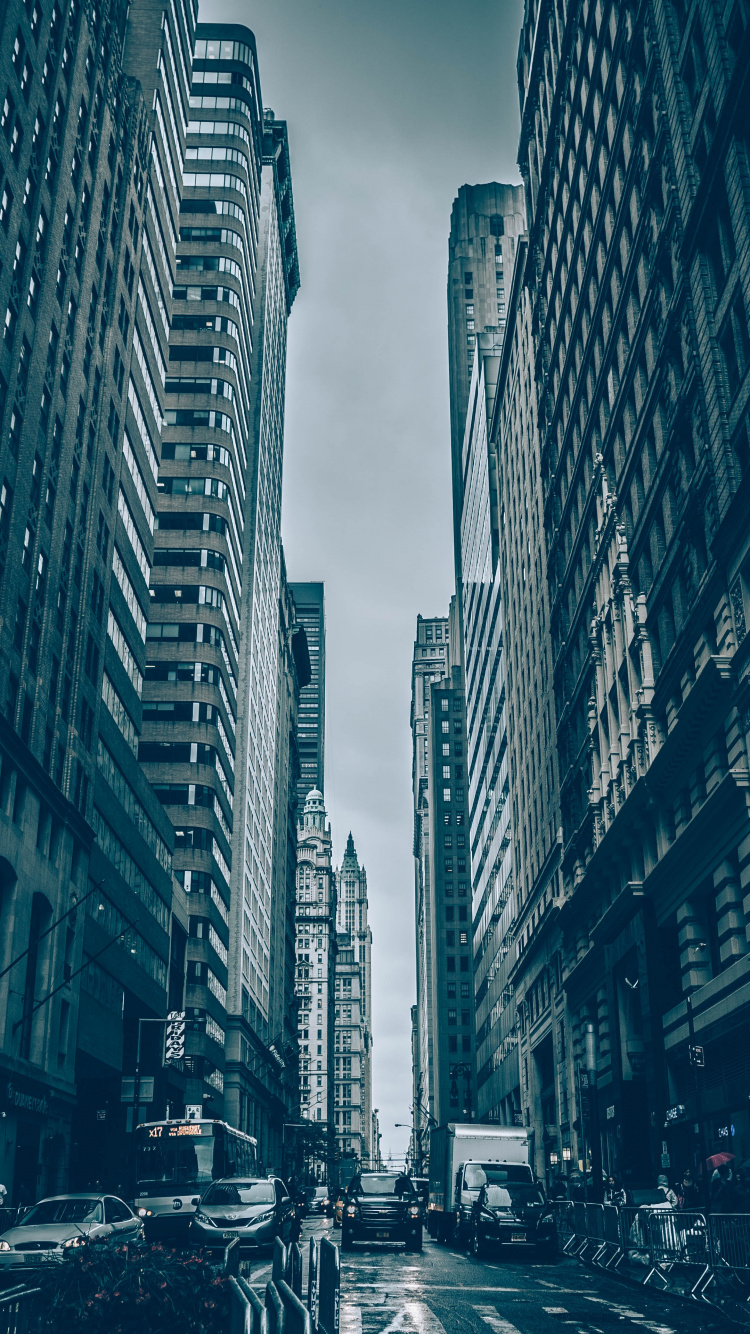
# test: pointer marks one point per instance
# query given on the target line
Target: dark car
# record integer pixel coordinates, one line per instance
(382, 1206)
(317, 1200)
(255, 1210)
(422, 1188)
(512, 1214)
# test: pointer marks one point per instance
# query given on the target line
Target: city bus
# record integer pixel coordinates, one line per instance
(176, 1161)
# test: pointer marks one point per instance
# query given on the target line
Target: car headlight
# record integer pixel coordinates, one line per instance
(74, 1242)
(414, 1211)
(203, 1218)
(145, 1213)
(264, 1218)
(326, 1203)
(4, 1246)
(351, 1210)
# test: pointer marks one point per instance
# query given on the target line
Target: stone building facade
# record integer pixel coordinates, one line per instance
(444, 1055)
(316, 962)
(353, 1012)
(634, 156)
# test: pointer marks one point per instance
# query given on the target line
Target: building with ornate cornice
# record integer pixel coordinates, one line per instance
(316, 961)
(634, 325)
(353, 1012)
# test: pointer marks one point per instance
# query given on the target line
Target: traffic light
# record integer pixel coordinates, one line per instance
(175, 1036)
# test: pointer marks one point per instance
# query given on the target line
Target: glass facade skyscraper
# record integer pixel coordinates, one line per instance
(309, 601)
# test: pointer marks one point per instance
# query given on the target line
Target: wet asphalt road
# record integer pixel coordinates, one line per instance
(445, 1291)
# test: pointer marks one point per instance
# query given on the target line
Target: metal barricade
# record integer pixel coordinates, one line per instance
(278, 1268)
(563, 1211)
(634, 1235)
(232, 1257)
(293, 1273)
(312, 1284)
(275, 1311)
(611, 1252)
(594, 1243)
(730, 1241)
(678, 1238)
(258, 1315)
(20, 1311)
(329, 1287)
(8, 1218)
(296, 1316)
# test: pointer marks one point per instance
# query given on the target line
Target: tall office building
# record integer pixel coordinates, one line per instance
(476, 537)
(220, 499)
(316, 960)
(93, 121)
(637, 287)
(445, 1082)
(353, 1020)
(479, 265)
(293, 675)
(309, 602)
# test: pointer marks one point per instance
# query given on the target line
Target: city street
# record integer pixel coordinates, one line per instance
(384, 1291)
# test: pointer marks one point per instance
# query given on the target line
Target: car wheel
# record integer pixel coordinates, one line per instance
(477, 1244)
(546, 1252)
(346, 1240)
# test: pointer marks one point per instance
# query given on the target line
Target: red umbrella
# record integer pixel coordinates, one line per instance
(718, 1159)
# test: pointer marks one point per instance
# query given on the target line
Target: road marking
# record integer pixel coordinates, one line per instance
(555, 1310)
(439, 1287)
(351, 1319)
(496, 1322)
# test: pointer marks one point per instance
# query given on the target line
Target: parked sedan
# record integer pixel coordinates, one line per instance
(58, 1226)
(510, 1216)
(255, 1210)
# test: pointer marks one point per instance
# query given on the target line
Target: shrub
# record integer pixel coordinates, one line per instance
(110, 1288)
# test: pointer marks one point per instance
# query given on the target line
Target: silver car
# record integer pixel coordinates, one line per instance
(254, 1210)
(59, 1225)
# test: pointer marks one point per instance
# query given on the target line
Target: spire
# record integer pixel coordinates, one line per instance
(350, 862)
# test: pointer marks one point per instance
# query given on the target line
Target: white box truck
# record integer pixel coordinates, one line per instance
(459, 1155)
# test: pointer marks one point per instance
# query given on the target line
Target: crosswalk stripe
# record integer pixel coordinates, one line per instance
(496, 1322)
(350, 1320)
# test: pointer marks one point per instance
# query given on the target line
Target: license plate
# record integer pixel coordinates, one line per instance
(229, 1236)
(382, 1236)
(518, 1236)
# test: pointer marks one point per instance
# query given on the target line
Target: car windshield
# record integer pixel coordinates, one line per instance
(240, 1192)
(62, 1211)
(518, 1194)
(321, 1193)
(383, 1185)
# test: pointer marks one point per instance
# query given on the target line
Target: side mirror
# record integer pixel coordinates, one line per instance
(196, 1199)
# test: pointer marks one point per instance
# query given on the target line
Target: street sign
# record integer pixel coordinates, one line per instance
(175, 1036)
(193, 1111)
(697, 1057)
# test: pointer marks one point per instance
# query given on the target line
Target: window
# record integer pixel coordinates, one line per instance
(719, 242)
(734, 342)
(446, 794)
(444, 704)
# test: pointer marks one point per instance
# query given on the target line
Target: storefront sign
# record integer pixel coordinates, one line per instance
(610, 1113)
(674, 1113)
(32, 1098)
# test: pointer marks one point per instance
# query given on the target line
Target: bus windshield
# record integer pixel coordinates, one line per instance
(178, 1159)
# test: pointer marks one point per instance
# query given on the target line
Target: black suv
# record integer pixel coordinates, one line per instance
(382, 1206)
(511, 1213)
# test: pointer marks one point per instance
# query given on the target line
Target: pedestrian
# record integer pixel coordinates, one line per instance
(663, 1185)
(614, 1191)
(722, 1189)
(688, 1194)
(742, 1191)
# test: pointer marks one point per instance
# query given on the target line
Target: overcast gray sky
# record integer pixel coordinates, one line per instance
(391, 107)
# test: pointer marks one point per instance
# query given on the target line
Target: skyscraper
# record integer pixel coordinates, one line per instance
(479, 266)
(630, 362)
(221, 476)
(353, 1020)
(309, 602)
(444, 1046)
(316, 958)
(93, 120)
